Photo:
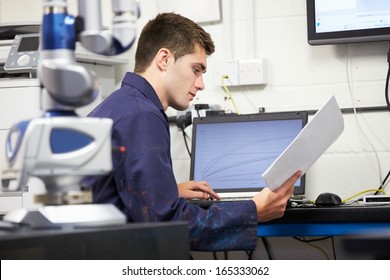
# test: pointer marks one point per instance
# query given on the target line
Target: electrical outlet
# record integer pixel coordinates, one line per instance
(229, 68)
(242, 72)
(252, 72)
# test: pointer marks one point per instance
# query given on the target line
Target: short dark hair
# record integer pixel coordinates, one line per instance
(172, 31)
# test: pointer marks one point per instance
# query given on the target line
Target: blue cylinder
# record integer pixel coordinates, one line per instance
(58, 32)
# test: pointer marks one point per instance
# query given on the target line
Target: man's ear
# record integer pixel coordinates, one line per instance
(163, 58)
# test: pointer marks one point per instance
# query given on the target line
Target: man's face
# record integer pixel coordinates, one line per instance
(184, 77)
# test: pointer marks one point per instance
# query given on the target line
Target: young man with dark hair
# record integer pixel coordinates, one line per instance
(170, 62)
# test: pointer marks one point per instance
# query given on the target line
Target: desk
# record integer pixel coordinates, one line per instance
(376, 243)
(165, 240)
(324, 221)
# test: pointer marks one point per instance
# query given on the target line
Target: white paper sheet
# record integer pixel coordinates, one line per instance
(313, 140)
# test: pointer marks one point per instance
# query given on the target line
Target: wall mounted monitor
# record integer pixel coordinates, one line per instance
(349, 21)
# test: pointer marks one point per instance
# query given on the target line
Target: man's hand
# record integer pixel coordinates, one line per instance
(272, 204)
(195, 189)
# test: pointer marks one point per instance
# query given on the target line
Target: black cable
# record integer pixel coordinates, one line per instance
(225, 254)
(185, 142)
(333, 248)
(387, 82)
(383, 183)
(318, 239)
(250, 254)
(267, 247)
(384, 180)
(311, 240)
(182, 122)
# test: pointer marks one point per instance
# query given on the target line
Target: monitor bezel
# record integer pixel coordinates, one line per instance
(302, 115)
(341, 37)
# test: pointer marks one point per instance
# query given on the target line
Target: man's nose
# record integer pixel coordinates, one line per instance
(199, 84)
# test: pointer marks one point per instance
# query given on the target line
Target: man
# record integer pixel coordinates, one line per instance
(169, 64)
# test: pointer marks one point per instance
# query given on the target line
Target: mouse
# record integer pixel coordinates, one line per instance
(328, 199)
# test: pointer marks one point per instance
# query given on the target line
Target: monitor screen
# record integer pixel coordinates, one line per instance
(349, 21)
(231, 152)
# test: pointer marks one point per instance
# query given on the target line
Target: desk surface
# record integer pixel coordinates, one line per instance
(165, 240)
(336, 214)
(330, 214)
(324, 221)
(139, 241)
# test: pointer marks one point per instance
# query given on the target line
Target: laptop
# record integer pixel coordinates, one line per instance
(231, 151)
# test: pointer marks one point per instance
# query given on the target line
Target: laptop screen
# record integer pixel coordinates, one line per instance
(231, 152)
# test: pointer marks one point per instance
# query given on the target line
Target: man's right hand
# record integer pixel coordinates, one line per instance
(272, 204)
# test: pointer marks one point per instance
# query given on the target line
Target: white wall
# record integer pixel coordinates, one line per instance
(301, 77)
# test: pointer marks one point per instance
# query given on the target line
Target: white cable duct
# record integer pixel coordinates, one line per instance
(227, 28)
(250, 28)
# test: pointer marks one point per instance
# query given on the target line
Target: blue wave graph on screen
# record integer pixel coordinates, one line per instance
(231, 155)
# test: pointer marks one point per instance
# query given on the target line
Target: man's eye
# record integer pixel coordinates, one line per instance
(196, 70)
